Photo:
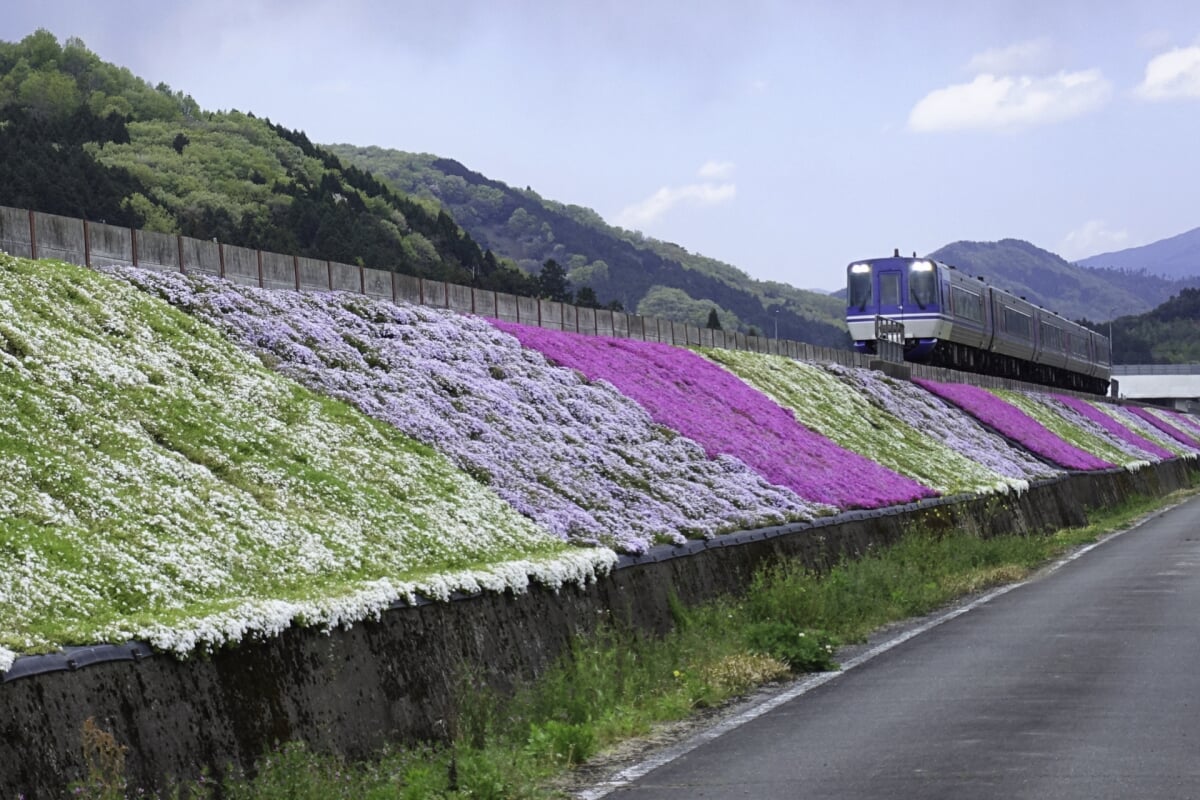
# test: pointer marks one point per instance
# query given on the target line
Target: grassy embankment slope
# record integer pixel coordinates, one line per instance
(169, 479)
(161, 484)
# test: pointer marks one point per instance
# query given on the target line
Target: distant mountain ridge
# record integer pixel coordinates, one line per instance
(1175, 257)
(1075, 292)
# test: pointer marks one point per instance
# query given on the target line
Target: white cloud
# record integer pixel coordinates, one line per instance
(656, 205)
(1171, 75)
(711, 192)
(1092, 238)
(1034, 56)
(716, 170)
(1005, 102)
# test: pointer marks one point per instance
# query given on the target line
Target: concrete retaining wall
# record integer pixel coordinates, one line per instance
(392, 680)
(241, 265)
(156, 250)
(378, 283)
(201, 255)
(279, 271)
(314, 274)
(506, 307)
(460, 298)
(15, 236)
(59, 237)
(108, 244)
(346, 277)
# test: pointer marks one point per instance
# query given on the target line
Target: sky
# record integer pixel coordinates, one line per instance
(785, 138)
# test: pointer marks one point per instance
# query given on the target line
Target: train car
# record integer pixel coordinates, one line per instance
(951, 319)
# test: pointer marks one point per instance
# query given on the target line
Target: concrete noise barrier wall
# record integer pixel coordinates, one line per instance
(351, 691)
(30, 234)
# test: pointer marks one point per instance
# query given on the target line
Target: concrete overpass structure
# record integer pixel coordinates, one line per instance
(1174, 385)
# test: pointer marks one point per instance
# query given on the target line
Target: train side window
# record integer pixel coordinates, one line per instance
(967, 304)
(889, 289)
(1017, 323)
(1051, 337)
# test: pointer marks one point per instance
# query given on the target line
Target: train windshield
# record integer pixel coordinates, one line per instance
(859, 286)
(922, 283)
(889, 289)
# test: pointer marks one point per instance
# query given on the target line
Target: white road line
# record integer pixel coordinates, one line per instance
(669, 754)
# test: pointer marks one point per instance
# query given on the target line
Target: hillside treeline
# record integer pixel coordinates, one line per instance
(1169, 334)
(652, 277)
(85, 138)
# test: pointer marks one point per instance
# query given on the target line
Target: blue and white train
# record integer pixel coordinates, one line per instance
(951, 319)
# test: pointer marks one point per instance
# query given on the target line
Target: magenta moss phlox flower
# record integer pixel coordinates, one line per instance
(1014, 423)
(698, 398)
(1087, 410)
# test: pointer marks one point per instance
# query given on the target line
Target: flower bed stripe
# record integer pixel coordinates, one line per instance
(1164, 426)
(1015, 424)
(1143, 427)
(1074, 428)
(834, 409)
(946, 423)
(1086, 409)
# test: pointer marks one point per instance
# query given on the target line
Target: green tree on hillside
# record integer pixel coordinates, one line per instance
(552, 282)
(84, 138)
(714, 322)
(586, 297)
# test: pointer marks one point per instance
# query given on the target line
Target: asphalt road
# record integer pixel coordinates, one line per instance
(1080, 683)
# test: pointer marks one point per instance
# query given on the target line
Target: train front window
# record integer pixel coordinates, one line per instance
(889, 289)
(860, 286)
(922, 283)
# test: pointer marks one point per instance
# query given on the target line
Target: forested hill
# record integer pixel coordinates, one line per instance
(654, 278)
(1169, 334)
(84, 138)
(1074, 292)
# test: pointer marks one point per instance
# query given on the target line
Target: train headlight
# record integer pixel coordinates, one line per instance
(922, 266)
(860, 269)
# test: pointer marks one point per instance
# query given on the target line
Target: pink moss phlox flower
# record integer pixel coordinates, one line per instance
(696, 397)
(1015, 424)
(1087, 410)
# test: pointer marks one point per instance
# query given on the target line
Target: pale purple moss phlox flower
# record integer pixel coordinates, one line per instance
(1015, 424)
(944, 422)
(1164, 426)
(693, 395)
(582, 460)
(1090, 412)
